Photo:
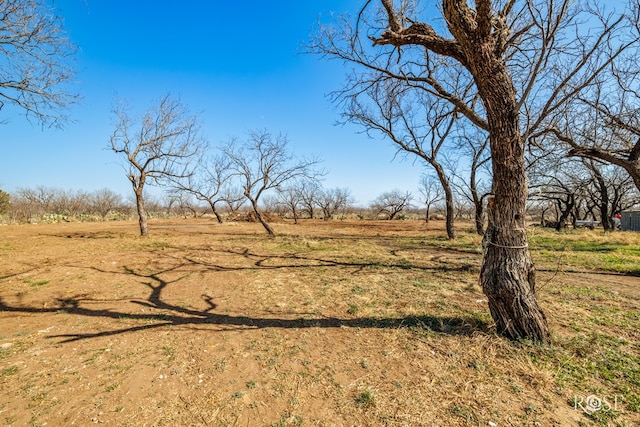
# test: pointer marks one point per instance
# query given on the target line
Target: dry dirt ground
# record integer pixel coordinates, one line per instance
(328, 324)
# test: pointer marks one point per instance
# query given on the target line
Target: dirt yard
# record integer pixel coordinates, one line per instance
(327, 324)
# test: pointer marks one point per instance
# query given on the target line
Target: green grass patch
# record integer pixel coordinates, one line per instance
(588, 250)
(158, 245)
(9, 371)
(365, 399)
(602, 363)
(36, 283)
(169, 352)
(112, 387)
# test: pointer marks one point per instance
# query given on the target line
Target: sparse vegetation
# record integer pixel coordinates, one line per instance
(9, 371)
(355, 322)
(366, 399)
(36, 283)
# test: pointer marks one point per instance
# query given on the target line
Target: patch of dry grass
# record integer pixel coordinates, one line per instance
(339, 323)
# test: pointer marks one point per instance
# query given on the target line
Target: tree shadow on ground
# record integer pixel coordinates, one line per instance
(168, 314)
(465, 326)
(296, 260)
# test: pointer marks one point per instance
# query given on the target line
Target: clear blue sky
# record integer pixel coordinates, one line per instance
(237, 63)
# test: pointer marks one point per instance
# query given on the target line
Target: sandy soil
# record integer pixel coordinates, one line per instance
(206, 324)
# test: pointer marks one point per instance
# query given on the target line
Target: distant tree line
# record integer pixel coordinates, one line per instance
(47, 204)
(562, 191)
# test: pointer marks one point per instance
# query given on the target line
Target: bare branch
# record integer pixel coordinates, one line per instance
(35, 61)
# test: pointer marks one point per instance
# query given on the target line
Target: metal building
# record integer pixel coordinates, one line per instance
(630, 220)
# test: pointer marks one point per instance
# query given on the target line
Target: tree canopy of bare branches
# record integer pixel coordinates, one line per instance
(472, 186)
(580, 189)
(332, 200)
(417, 124)
(210, 182)
(602, 121)
(431, 192)
(104, 201)
(300, 196)
(36, 61)
(391, 203)
(263, 163)
(164, 144)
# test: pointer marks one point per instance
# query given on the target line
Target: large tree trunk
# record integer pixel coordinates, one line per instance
(508, 281)
(142, 213)
(507, 275)
(605, 217)
(477, 203)
(261, 219)
(448, 197)
(215, 212)
(218, 217)
(564, 212)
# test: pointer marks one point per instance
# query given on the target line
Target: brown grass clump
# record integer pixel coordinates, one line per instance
(329, 323)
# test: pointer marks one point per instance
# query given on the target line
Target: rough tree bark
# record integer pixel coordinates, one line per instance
(448, 198)
(261, 219)
(507, 275)
(142, 213)
(215, 212)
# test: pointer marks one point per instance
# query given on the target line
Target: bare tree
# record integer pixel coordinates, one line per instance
(417, 123)
(289, 198)
(610, 191)
(310, 194)
(391, 203)
(163, 145)
(604, 129)
(182, 202)
(303, 195)
(209, 183)
(431, 192)
(71, 203)
(563, 184)
(332, 200)
(35, 61)
(272, 204)
(603, 122)
(38, 201)
(233, 197)
(105, 201)
(263, 163)
(506, 66)
(474, 147)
